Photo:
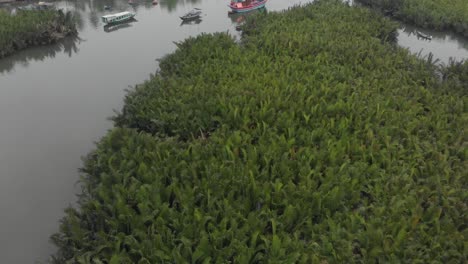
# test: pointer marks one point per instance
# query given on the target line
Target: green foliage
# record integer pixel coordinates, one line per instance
(316, 140)
(436, 14)
(27, 28)
(455, 74)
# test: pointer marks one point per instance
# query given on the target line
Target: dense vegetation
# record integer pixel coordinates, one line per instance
(316, 140)
(436, 14)
(29, 28)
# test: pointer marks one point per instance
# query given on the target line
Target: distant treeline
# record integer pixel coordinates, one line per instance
(435, 14)
(315, 140)
(31, 28)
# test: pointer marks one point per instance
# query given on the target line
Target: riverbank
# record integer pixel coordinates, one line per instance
(317, 139)
(433, 14)
(33, 28)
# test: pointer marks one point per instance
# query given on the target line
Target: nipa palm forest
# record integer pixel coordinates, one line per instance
(435, 14)
(313, 139)
(30, 28)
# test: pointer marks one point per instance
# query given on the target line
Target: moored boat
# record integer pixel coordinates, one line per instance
(45, 4)
(118, 17)
(238, 6)
(424, 36)
(193, 14)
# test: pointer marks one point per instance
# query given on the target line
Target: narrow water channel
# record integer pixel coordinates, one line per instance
(54, 102)
(442, 46)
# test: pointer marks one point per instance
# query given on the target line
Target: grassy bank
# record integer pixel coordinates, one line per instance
(32, 28)
(434, 14)
(316, 140)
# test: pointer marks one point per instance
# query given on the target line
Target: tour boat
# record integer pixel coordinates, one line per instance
(238, 6)
(118, 17)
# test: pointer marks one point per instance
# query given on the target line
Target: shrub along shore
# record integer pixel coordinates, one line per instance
(314, 140)
(434, 14)
(32, 28)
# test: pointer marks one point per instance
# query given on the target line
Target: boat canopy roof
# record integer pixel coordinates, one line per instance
(117, 14)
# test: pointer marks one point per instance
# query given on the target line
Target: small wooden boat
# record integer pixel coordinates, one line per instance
(239, 6)
(44, 4)
(424, 36)
(118, 17)
(193, 14)
(114, 27)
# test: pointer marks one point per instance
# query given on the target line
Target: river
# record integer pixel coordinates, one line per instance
(55, 101)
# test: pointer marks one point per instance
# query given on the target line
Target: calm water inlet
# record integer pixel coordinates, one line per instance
(55, 101)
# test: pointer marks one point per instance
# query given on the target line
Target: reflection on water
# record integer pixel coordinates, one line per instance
(442, 46)
(115, 27)
(87, 12)
(95, 8)
(68, 46)
(239, 18)
(191, 22)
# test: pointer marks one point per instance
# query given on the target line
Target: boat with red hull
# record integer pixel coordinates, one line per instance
(238, 6)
